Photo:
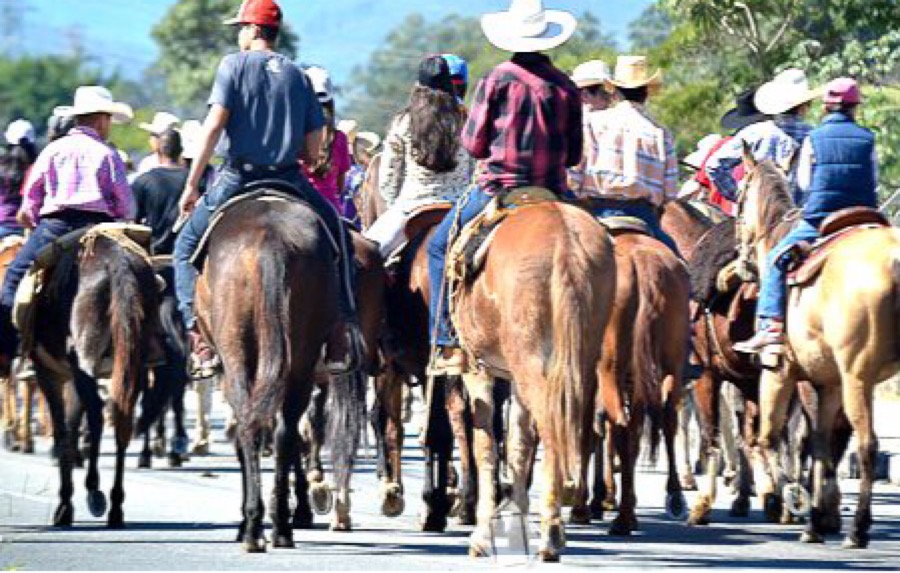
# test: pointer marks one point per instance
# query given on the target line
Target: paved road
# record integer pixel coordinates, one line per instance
(186, 519)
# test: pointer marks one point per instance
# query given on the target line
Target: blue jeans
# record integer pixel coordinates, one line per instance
(229, 183)
(773, 285)
(48, 230)
(466, 208)
(8, 231)
(639, 210)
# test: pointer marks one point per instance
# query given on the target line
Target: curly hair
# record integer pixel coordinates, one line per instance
(435, 126)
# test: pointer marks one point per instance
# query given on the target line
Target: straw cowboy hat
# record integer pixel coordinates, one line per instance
(527, 27)
(162, 121)
(591, 73)
(633, 72)
(788, 90)
(95, 99)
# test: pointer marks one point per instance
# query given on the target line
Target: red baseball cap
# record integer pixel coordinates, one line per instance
(259, 12)
(842, 90)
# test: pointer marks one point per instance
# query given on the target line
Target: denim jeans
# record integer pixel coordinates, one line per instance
(773, 283)
(466, 208)
(639, 210)
(229, 183)
(48, 230)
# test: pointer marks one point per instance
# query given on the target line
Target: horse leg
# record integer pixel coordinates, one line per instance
(479, 387)
(823, 472)
(553, 535)
(522, 444)
(179, 446)
(775, 390)
(53, 390)
(204, 390)
(92, 406)
(392, 488)
(676, 505)
(11, 429)
(627, 442)
(610, 501)
(746, 454)
(287, 440)
(438, 441)
(598, 487)
(461, 423)
(707, 391)
(25, 375)
(685, 413)
(303, 514)
(254, 540)
(858, 399)
(123, 421)
(727, 433)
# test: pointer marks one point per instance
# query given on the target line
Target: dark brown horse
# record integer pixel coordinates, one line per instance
(267, 300)
(101, 302)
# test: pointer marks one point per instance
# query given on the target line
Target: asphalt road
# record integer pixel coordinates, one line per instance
(185, 519)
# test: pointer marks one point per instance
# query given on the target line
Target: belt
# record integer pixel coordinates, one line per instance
(247, 167)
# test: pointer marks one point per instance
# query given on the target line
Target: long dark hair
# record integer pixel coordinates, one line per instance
(435, 126)
(14, 166)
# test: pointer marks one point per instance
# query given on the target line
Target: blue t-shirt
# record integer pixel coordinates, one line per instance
(272, 107)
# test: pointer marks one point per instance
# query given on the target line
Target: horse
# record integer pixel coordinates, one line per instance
(369, 202)
(535, 314)
(98, 301)
(842, 336)
(267, 300)
(645, 350)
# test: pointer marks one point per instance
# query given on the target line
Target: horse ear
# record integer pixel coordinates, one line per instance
(749, 160)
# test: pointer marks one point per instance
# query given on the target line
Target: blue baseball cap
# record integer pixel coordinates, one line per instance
(459, 68)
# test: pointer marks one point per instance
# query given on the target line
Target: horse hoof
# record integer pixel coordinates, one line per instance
(548, 556)
(701, 513)
(854, 542)
(116, 520)
(740, 507)
(772, 507)
(811, 537)
(342, 525)
(676, 506)
(580, 515)
(620, 528)
(174, 460)
(569, 495)
(254, 545)
(688, 483)
(321, 498)
(64, 516)
(159, 449)
(313, 476)
(610, 505)
(302, 519)
(96, 502)
(479, 544)
(145, 462)
(28, 448)
(393, 503)
(434, 524)
(283, 542)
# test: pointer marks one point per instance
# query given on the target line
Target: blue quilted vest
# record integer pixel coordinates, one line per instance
(843, 174)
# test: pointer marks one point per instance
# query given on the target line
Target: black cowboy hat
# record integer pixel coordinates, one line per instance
(744, 113)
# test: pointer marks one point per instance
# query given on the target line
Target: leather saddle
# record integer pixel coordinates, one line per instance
(805, 261)
(624, 225)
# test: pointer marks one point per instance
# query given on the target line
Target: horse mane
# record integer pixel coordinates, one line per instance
(776, 202)
(694, 212)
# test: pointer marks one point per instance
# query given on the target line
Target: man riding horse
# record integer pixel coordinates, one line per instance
(269, 114)
(838, 169)
(525, 126)
(77, 181)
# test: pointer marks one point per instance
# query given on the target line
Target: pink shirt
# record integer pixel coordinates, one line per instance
(327, 186)
(78, 172)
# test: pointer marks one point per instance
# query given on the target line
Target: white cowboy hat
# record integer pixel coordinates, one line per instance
(349, 126)
(162, 121)
(191, 132)
(18, 130)
(634, 72)
(321, 83)
(591, 73)
(527, 27)
(96, 99)
(370, 139)
(704, 146)
(789, 89)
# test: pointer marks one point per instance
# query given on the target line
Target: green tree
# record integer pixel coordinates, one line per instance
(192, 41)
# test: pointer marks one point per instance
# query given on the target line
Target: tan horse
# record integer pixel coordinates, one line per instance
(537, 311)
(843, 335)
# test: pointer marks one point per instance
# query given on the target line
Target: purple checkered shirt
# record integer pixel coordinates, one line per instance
(526, 123)
(78, 172)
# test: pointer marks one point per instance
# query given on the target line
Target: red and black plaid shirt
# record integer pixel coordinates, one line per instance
(525, 122)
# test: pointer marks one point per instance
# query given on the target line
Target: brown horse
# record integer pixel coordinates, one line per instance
(99, 302)
(369, 202)
(645, 350)
(842, 335)
(267, 300)
(536, 312)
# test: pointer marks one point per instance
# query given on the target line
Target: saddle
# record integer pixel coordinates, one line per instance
(804, 261)
(624, 225)
(273, 191)
(469, 250)
(420, 221)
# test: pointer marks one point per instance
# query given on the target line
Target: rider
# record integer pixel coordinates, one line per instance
(162, 121)
(590, 77)
(15, 164)
(786, 99)
(269, 113)
(423, 160)
(632, 168)
(157, 191)
(525, 124)
(838, 168)
(77, 181)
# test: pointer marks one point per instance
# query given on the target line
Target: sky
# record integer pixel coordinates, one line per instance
(338, 34)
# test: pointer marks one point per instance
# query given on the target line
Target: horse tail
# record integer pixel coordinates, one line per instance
(272, 363)
(346, 413)
(646, 361)
(128, 305)
(570, 407)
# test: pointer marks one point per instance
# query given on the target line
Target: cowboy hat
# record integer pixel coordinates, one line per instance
(19, 130)
(162, 121)
(704, 147)
(95, 99)
(591, 73)
(744, 112)
(349, 126)
(788, 90)
(369, 139)
(632, 72)
(527, 27)
(321, 83)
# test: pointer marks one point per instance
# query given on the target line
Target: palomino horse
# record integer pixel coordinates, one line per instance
(267, 300)
(536, 313)
(645, 350)
(101, 300)
(842, 335)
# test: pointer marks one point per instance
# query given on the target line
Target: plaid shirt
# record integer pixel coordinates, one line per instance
(525, 123)
(78, 172)
(630, 156)
(777, 139)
